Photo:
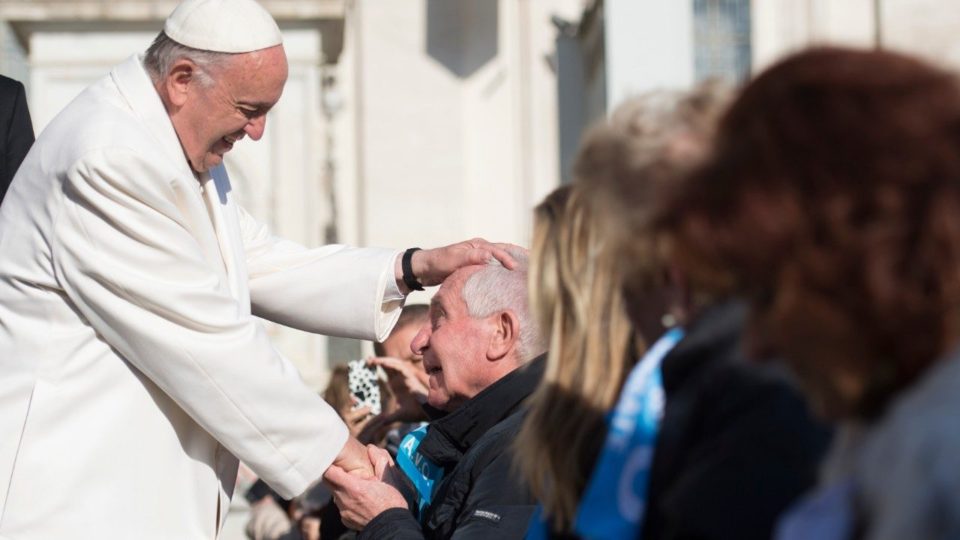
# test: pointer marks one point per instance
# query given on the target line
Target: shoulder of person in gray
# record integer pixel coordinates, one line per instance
(905, 464)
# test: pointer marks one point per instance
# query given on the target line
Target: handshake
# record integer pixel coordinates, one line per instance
(364, 479)
(365, 483)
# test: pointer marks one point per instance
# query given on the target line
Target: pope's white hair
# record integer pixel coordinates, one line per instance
(164, 52)
(494, 288)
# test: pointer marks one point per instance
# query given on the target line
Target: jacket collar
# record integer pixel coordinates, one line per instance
(137, 90)
(449, 438)
(718, 329)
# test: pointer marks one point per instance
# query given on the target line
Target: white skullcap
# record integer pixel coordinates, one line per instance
(227, 26)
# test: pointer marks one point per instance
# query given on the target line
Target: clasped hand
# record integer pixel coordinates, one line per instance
(362, 496)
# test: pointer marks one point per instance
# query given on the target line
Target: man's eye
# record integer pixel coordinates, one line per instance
(249, 113)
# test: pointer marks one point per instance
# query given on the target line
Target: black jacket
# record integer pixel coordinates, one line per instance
(480, 495)
(16, 131)
(737, 443)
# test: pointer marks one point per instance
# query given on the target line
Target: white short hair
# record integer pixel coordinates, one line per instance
(494, 288)
(164, 52)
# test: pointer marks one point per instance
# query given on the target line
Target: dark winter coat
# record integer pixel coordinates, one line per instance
(480, 496)
(737, 444)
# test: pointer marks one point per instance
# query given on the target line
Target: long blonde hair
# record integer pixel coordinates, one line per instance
(579, 264)
(576, 297)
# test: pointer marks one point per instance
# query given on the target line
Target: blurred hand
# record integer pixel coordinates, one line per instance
(310, 528)
(432, 266)
(410, 386)
(362, 499)
(356, 419)
(375, 429)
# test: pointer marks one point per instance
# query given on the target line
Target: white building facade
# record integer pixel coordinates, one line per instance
(616, 48)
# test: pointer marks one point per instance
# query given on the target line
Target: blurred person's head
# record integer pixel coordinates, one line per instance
(397, 344)
(832, 203)
(629, 164)
(217, 81)
(590, 240)
(479, 330)
(337, 393)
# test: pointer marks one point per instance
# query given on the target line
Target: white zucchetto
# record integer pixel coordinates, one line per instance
(227, 26)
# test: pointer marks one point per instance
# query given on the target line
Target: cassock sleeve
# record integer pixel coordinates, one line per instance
(335, 290)
(126, 259)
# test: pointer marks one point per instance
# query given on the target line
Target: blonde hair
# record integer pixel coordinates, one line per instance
(576, 297)
(590, 240)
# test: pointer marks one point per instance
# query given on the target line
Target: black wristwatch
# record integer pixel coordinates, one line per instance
(406, 265)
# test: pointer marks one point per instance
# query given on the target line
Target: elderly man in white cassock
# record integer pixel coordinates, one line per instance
(133, 375)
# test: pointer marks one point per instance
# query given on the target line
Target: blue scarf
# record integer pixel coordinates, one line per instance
(615, 499)
(423, 473)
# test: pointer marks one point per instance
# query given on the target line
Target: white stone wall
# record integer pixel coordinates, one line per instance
(449, 117)
(928, 28)
(13, 60)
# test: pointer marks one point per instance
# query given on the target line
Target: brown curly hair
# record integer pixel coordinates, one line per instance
(836, 173)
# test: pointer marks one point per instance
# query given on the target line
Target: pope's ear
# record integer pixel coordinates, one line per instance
(506, 332)
(182, 74)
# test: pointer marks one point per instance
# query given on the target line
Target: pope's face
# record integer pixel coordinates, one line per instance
(235, 105)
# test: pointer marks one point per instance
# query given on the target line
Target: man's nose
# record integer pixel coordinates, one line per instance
(421, 340)
(255, 127)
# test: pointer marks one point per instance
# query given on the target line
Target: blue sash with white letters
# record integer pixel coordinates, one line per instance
(614, 501)
(423, 473)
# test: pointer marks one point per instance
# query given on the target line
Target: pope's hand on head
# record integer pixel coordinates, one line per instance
(432, 266)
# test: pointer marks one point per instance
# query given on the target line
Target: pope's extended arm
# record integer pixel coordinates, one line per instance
(333, 290)
(128, 261)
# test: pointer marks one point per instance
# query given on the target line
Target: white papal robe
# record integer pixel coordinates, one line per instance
(133, 374)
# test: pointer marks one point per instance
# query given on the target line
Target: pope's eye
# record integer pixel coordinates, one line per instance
(249, 113)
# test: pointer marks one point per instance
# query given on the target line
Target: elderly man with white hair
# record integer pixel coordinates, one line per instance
(480, 350)
(134, 372)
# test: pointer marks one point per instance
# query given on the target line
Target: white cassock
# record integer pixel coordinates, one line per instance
(132, 372)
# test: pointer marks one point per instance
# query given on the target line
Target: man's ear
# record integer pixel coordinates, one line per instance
(177, 83)
(506, 332)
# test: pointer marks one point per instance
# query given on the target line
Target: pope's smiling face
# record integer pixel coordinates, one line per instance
(214, 116)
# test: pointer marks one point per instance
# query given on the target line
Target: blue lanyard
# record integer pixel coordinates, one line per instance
(423, 473)
(615, 499)
(613, 504)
